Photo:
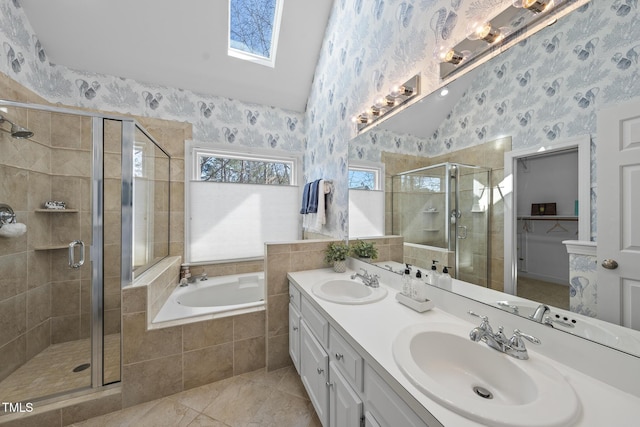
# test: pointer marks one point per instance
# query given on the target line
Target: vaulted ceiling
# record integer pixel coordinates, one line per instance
(181, 44)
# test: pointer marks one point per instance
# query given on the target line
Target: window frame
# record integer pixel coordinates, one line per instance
(197, 152)
(377, 169)
(275, 33)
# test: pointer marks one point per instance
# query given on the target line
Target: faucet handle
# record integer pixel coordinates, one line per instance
(485, 326)
(516, 340)
(365, 273)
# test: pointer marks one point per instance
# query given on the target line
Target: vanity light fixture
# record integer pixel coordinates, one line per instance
(398, 96)
(535, 6)
(488, 36)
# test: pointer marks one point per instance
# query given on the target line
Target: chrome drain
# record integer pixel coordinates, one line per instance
(82, 367)
(483, 392)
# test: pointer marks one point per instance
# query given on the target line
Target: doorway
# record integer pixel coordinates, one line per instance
(533, 237)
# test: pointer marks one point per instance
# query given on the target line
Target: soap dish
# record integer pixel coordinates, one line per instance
(419, 306)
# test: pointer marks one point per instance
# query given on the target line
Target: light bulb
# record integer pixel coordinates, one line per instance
(484, 32)
(453, 57)
(535, 6)
(444, 92)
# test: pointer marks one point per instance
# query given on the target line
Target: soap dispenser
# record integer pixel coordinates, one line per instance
(419, 288)
(445, 279)
(434, 277)
(406, 281)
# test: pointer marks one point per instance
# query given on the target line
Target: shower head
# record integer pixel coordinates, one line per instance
(16, 131)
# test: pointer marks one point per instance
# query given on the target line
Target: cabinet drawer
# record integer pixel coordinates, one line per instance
(294, 296)
(316, 322)
(344, 356)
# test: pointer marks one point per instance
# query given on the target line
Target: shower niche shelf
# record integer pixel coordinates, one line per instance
(58, 210)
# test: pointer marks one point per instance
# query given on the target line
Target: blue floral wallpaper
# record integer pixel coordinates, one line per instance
(214, 119)
(583, 284)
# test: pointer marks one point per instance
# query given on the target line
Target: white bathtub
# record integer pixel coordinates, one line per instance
(215, 297)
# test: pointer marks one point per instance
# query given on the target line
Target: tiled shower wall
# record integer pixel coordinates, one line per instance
(490, 155)
(43, 301)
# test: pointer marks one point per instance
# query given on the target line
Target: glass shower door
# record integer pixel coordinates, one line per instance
(470, 229)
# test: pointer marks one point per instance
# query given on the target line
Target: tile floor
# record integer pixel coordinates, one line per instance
(544, 292)
(255, 399)
(51, 371)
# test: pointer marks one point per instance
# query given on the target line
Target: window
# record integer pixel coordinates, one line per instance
(230, 212)
(253, 30)
(364, 177)
(366, 199)
(239, 169)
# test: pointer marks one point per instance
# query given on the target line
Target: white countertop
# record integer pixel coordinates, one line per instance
(374, 326)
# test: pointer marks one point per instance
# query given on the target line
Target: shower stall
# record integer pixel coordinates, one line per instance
(79, 191)
(445, 208)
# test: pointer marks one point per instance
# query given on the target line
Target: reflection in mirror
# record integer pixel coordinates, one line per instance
(150, 203)
(541, 92)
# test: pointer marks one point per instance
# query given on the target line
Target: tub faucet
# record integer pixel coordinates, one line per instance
(184, 282)
(370, 280)
(202, 277)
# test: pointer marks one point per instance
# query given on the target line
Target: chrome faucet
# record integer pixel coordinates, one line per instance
(540, 313)
(514, 346)
(202, 277)
(370, 280)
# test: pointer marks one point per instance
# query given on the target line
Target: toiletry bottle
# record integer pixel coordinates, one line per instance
(419, 288)
(435, 276)
(406, 281)
(445, 279)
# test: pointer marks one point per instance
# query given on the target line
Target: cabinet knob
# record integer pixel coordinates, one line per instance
(290, 297)
(295, 328)
(320, 371)
(339, 356)
(329, 384)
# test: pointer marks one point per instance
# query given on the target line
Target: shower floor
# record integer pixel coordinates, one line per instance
(51, 370)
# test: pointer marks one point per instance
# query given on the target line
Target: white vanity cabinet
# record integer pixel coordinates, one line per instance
(344, 389)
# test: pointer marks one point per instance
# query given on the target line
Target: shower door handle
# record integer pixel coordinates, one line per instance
(72, 254)
(462, 232)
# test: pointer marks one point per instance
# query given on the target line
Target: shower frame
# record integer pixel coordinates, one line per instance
(452, 206)
(96, 249)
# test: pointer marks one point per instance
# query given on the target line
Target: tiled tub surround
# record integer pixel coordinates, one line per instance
(160, 362)
(282, 258)
(609, 394)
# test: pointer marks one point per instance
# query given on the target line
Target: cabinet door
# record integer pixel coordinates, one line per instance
(294, 337)
(314, 366)
(370, 420)
(345, 407)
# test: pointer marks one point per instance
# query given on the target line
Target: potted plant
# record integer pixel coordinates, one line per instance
(336, 254)
(365, 250)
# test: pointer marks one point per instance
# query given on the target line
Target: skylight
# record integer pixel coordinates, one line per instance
(253, 29)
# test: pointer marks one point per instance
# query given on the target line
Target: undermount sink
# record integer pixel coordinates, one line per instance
(345, 291)
(481, 383)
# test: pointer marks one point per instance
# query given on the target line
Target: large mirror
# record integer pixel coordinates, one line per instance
(547, 91)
